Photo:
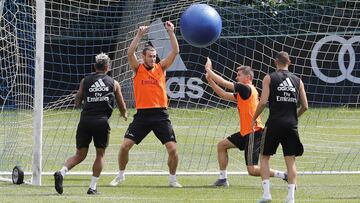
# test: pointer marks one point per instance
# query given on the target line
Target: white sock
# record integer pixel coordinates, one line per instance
(223, 174)
(291, 191)
(172, 178)
(93, 182)
(279, 174)
(266, 188)
(121, 174)
(63, 171)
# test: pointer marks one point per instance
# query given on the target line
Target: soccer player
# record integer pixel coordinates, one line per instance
(151, 104)
(283, 90)
(98, 92)
(246, 140)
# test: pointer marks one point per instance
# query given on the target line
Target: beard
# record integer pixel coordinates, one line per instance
(148, 66)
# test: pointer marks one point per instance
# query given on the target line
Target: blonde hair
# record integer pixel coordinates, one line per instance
(102, 60)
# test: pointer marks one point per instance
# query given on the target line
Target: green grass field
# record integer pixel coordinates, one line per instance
(331, 137)
(312, 188)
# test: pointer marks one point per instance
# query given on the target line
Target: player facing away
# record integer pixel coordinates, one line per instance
(151, 104)
(283, 90)
(246, 96)
(98, 92)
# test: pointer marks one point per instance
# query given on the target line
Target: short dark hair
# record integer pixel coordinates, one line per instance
(148, 48)
(283, 58)
(102, 60)
(246, 70)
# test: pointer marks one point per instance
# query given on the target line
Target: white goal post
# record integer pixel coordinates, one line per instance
(39, 92)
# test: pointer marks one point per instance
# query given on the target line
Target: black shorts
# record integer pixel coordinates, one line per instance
(92, 128)
(288, 137)
(146, 120)
(250, 143)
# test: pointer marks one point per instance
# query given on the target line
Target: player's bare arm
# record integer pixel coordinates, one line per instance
(133, 62)
(219, 91)
(169, 59)
(217, 78)
(120, 100)
(263, 99)
(79, 95)
(303, 100)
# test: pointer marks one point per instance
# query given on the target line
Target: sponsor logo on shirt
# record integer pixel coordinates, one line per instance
(98, 86)
(150, 81)
(286, 85)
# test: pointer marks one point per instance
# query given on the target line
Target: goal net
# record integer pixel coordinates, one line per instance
(322, 38)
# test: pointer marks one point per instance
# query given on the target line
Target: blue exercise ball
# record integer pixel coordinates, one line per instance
(200, 25)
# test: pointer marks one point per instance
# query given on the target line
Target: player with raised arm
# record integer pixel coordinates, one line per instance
(246, 96)
(98, 92)
(283, 90)
(151, 103)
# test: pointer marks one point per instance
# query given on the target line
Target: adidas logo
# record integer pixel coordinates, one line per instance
(129, 134)
(98, 86)
(286, 85)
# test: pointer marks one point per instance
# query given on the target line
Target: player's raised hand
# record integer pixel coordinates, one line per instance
(142, 30)
(208, 64)
(208, 78)
(124, 114)
(169, 26)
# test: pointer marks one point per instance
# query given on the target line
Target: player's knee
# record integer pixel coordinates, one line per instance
(171, 148)
(81, 154)
(100, 152)
(221, 146)
(125, 147)
(252, 171)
